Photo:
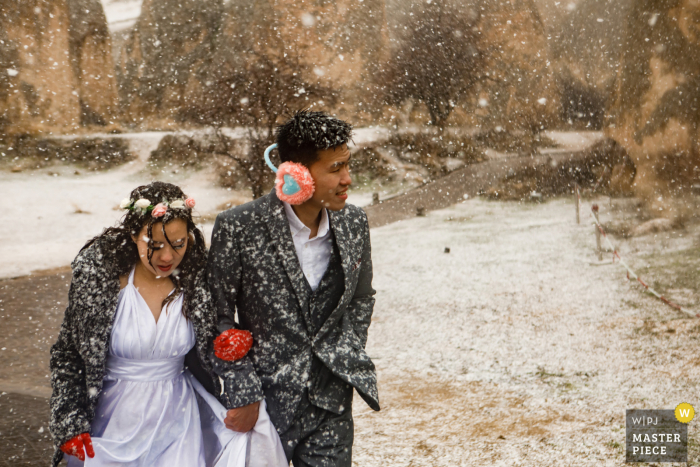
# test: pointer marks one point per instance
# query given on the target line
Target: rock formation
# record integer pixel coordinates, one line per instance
(339, 44)
(656, 108)
(92, 62)
(521, 90)
(56, 68)
(179, 47)
(168, 57)
(589, 39)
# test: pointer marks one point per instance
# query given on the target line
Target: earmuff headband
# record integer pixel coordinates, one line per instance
(267, 157)
(293, 182)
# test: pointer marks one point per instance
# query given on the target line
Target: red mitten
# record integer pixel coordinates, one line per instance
(74, 447)
(233, 344)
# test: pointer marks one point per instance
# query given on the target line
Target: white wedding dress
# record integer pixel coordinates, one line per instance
(154, 413)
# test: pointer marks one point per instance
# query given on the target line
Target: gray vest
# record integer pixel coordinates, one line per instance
(325, 390)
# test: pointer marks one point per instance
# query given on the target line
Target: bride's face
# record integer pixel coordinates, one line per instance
(166, 256)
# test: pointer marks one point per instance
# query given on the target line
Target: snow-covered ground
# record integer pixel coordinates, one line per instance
(40, 224)
(574, 140)
(514, 348)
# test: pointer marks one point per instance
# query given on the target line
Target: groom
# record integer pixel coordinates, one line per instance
(300, 279)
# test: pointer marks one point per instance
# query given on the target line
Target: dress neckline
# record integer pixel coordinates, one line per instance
(164, 309)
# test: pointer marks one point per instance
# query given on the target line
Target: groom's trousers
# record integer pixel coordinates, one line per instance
(318, 437)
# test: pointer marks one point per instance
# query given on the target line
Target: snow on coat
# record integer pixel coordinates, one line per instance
(254, 272)
(79, 355)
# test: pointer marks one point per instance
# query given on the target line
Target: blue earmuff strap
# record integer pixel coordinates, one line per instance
(267, 157)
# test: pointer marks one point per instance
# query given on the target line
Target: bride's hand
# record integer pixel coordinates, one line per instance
(233, 344)
(242, 419)
(78, 446)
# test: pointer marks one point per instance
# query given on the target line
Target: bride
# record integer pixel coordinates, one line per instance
(132, 369)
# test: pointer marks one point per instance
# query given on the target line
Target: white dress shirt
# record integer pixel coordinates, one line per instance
(314, 253)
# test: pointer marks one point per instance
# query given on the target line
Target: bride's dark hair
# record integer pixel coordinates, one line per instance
(121, 252)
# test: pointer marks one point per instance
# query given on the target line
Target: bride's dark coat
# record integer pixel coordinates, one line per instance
(78, 357)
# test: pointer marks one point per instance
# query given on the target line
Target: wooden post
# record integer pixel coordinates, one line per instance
(577, 197)
(375, 198)
(598, 247)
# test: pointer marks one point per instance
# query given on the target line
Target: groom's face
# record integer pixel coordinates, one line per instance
(331, 174)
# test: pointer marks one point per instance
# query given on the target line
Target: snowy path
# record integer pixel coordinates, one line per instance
(512, 349)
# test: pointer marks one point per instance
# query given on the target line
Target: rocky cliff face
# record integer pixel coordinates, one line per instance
(589, 39)
(178, 46)
(40, 79)
(656, 108)
(521, 90)
(56, 67)
(168, 57)
(92, 62)
(340, 44)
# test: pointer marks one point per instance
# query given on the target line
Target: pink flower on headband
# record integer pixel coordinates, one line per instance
(189, 202)
(159, 210)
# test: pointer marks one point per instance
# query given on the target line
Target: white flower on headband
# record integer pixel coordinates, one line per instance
(142, 204)
(178, 204)
(126, 202)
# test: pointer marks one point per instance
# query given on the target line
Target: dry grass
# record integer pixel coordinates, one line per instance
(474, 409)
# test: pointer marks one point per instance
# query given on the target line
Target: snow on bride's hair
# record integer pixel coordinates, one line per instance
(121, 253)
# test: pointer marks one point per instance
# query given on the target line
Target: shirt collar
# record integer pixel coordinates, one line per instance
(297, 225)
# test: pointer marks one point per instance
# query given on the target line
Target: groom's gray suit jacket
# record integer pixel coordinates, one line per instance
(254, 272)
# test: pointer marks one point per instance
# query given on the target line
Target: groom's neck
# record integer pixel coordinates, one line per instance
(309, 215)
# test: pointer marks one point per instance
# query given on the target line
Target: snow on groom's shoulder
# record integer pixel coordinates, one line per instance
(244, 214)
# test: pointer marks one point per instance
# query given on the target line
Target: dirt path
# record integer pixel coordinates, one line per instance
(453, 188)
(31, 311)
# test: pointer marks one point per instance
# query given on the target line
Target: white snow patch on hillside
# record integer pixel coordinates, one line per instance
(121, 14)
(39, 224)
(574, 140)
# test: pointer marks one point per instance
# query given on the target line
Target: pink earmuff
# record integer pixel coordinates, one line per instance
(293, 183)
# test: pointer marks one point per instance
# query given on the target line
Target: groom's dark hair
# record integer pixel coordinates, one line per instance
(301, 137)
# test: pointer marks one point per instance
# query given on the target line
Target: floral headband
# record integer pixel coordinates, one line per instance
(142, 206)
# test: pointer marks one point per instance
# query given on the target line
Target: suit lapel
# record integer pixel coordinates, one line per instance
(346, 246)
(281, 236)
(344, 242)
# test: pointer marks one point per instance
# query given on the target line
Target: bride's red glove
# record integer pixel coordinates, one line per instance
(74, 447)
(233, 344)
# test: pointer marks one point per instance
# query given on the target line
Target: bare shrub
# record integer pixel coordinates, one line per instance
(92, 154)
(257, 96)
(582, 104)
(591, 170)
(182, 150)
(369, 162)
(434, 154)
